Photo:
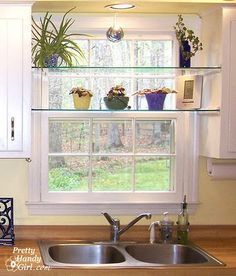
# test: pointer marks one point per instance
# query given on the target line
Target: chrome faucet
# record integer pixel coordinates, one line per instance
(116, 232)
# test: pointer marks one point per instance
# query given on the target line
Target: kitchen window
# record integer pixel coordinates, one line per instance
(125, 161)
(130, 157)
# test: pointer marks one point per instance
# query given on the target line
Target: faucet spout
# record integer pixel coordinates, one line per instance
(115, 225)
(134, 221)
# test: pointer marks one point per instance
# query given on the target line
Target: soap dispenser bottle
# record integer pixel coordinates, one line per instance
(183, 223)
(166, 229)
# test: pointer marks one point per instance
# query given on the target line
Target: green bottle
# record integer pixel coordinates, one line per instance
(183, 223)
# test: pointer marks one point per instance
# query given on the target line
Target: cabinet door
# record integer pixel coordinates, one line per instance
(228, 114)
(15, 70)
(11, 84)
(232, 88)
(3, 87)
(218, 131)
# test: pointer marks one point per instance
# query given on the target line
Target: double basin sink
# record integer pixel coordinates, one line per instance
(123, 255)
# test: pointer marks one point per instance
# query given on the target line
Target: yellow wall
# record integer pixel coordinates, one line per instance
(217, 198)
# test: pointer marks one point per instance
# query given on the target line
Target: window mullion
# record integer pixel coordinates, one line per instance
(133, 157)
(90, 154)
(133, 75)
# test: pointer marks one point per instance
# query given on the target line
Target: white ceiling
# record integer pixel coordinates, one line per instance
(142, 6)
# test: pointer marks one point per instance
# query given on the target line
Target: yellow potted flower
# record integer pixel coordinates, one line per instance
(81, 97)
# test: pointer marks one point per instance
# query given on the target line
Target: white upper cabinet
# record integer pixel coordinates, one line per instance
(15, 83)
(218, 130)
(230, 75)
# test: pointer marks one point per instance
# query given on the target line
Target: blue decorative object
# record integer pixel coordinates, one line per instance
(155, 100)
(7, 236)
(51, 61)
(183, 62)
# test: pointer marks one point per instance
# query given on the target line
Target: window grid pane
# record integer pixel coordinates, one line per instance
(68, 173)
(68, 136)
(152, 174)
(146, 165)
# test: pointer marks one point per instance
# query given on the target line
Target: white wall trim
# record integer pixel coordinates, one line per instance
(58, 208)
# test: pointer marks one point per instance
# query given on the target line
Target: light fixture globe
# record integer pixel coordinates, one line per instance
(115, 34)
(120, 6)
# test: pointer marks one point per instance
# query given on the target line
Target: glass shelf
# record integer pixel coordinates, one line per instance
(153, 70)
(51, 86)
(125, 110)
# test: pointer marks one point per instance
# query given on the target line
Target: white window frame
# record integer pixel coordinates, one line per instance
(44, 202)
(114, 197)
(186, 159)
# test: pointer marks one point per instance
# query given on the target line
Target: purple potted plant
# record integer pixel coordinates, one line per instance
(155, 97)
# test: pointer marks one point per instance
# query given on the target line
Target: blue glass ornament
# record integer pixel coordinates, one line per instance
(115, 34)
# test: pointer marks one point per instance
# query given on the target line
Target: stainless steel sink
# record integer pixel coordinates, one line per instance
(80, 254)
(91, 254)
(85, 254)
(171, 254)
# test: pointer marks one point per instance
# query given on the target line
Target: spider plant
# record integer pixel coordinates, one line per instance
(50, 41)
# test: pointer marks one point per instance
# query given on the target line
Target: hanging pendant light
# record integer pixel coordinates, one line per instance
(115, 33)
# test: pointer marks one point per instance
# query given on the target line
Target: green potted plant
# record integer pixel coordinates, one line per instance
(81, 97)
(116, 98)
(52, 45)
(189, 43)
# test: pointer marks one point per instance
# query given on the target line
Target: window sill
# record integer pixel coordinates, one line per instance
(49, 208)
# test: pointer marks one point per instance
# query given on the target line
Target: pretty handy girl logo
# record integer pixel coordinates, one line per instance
(24, 259)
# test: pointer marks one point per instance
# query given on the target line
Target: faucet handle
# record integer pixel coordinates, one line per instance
(111, 220)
